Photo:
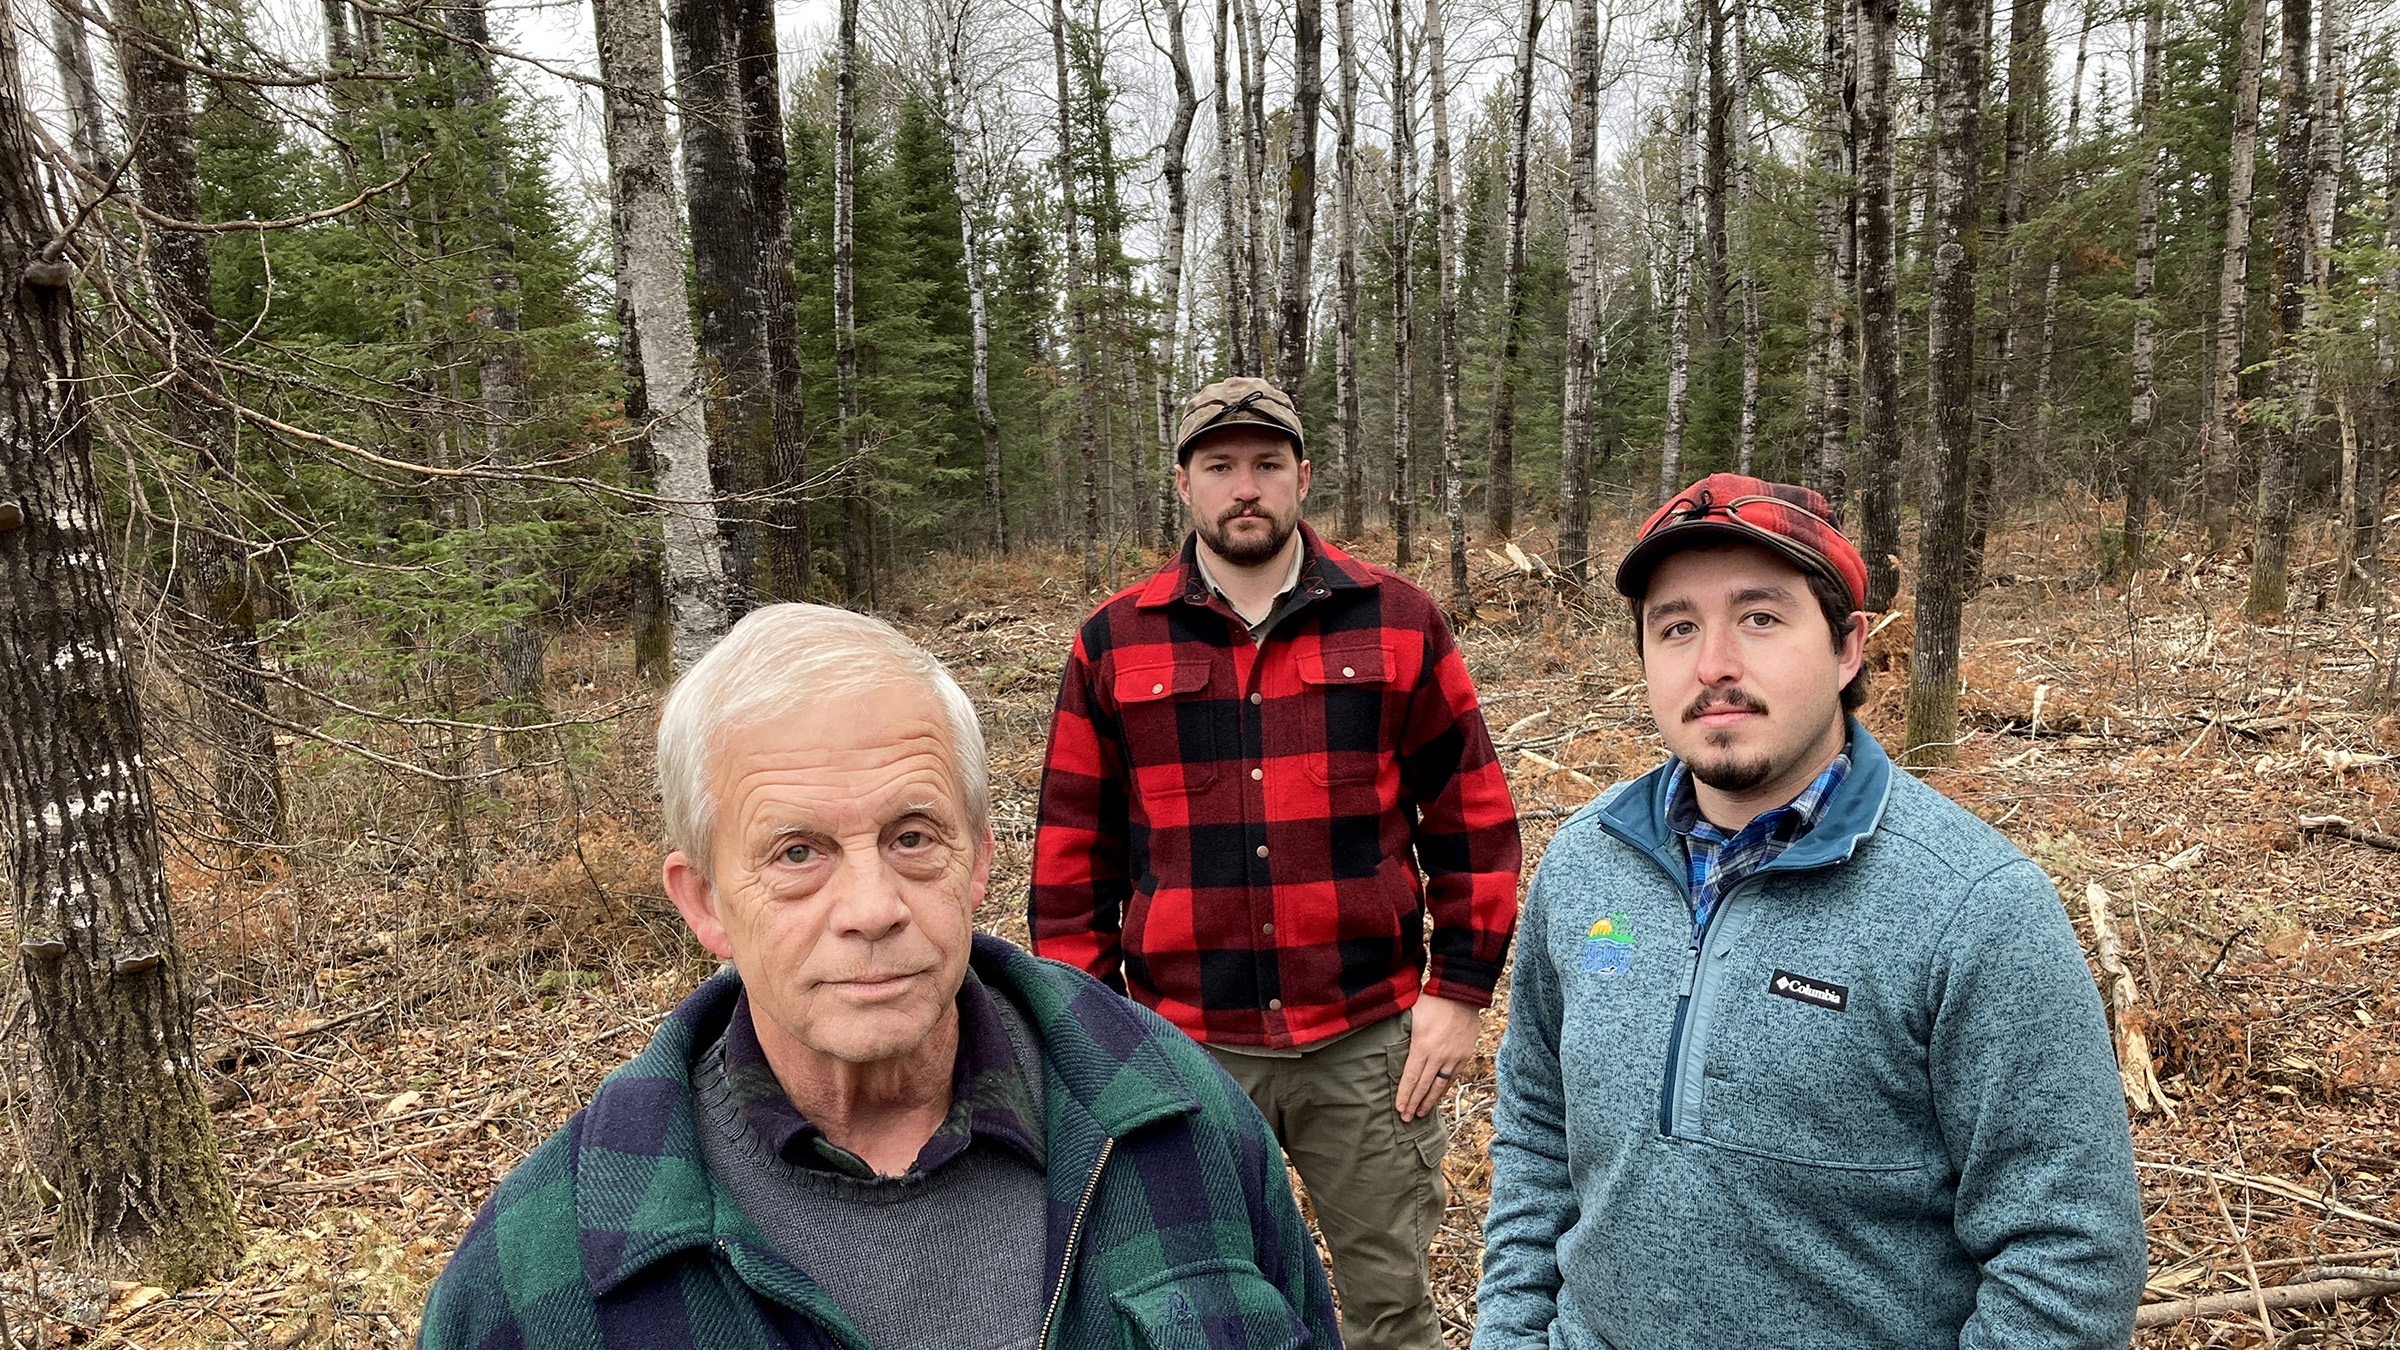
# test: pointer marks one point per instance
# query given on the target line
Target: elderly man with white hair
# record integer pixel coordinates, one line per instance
(878, 1129)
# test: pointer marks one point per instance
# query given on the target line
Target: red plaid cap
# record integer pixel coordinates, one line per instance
(1735, 508)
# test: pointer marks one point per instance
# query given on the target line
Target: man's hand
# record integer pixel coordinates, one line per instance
(1441, 1042)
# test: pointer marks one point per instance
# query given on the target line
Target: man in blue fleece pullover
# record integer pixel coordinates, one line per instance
(1799, 1053)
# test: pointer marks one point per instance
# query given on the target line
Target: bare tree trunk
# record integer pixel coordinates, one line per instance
(1746, 194)
(954, 120)
(1300, 193)
(1716, 153)
(218, 595)
(1878, 304)
(721, 52)
(1353, 458)
(79, 89)
(136, 1160)
(2145, 285)
(2042, 411)
(1837, 256)
(1583, 285)
(1446, 245)
(1500, 464)
(1078, 323)
(2028, 72)
(2279, 467)
(1171, 152)
(1404, 211)
(2218, 448)
(650, 280)
(1250, 43)
(1687, 256)
(1958, 44)
(858, 511)
(1230, 236)
(2363, 566)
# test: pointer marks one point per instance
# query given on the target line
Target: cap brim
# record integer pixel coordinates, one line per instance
(1634, 569)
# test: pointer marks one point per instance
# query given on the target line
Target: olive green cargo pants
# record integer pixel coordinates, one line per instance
(1374, 1179)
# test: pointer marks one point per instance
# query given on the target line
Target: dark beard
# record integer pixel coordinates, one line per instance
(1246, 552)
(1734, 776)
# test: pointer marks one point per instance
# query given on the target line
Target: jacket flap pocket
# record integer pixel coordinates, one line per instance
(1223, 1304)
(1142, 684)
(1332, 665)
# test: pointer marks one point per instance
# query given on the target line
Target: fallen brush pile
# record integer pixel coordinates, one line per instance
(2215, 801)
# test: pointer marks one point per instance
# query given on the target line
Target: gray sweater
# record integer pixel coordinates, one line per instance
(950, 1259)
(1875, 1106)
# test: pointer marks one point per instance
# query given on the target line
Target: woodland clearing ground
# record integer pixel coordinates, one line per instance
(388, 1049)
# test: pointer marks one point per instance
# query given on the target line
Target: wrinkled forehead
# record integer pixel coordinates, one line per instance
(874, 730)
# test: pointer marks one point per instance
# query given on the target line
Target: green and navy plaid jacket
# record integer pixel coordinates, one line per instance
(1171, 1221)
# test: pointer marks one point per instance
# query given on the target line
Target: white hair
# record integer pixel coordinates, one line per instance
(777, 660)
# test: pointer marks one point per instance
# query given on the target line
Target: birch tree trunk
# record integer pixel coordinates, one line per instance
(79, 89)
(1446, 245)
(1687, 259)
(1958, 45)
(1583, 285)
(1500, 464)
(1716, 152)
(217, 590)
(1078, 323)
(136, 1163)
(788, 546)
(1250, 43)
(1404, 210)
(858, 511)
(2279, 466)
(2042, 412)
(2145, 286)
(1878, 304)
(650, 277)
(2363, 568)
(2219, 449)
(1171, 152)
(1300, 196)
(954, 122)
(1353, 459)
(1745, 168)
(1837, 254)
(1232, 233)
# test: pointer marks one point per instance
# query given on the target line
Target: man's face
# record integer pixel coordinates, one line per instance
(1745, 679)
(1244, 484)
(845, 875)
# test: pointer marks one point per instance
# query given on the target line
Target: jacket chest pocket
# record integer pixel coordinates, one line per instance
(1349, 683)
(1223, 1304)
(1170, 713)
(1817, 1069)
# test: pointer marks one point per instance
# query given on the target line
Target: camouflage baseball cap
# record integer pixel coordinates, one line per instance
(1731, 507)
(1233, 401)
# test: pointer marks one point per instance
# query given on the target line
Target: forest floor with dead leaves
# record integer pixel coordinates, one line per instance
(388, 1033)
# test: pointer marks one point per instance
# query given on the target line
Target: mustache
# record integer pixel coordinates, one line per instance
(1735, 697)
(1239, 512)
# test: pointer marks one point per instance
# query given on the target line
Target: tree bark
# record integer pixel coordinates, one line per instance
(1500, 464)
(2042, 412)
(1583, 285)
(2279, 467)
(1250, 44)
(136, 1161)
(742, 270)
(1404, 210)
(218, 596)
(1078, 323)
(1688, 209)
(1746, 194)
(2362, 567)
(954, 122)
(79, 89)
(1716, 154)
(2219, 449)
(650, 277)
(1352, 463)
(1171, 152)
(1958, 38)
(1878, 304)
(1232, 233)
(1837, 255)
(2145, 285)
(2028, 73)
(1300, 196)
(858, 512)
(1446, 246)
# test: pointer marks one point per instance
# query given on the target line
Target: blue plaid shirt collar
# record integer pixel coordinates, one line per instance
(989, 1095)
(1717, 861)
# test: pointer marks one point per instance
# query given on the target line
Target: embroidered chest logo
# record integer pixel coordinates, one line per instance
(1815, 993)
(1608, 948)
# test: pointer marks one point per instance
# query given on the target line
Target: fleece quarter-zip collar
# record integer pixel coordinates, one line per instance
(1637, 816)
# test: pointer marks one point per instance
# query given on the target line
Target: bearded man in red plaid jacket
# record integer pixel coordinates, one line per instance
(1268, 779)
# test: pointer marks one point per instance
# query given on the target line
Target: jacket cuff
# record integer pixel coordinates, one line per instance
(1468, 982)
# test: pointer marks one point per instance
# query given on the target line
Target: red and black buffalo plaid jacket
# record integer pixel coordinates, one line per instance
(1227, 828)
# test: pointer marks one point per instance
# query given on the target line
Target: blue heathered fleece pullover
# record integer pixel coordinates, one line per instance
(1874, 1106)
